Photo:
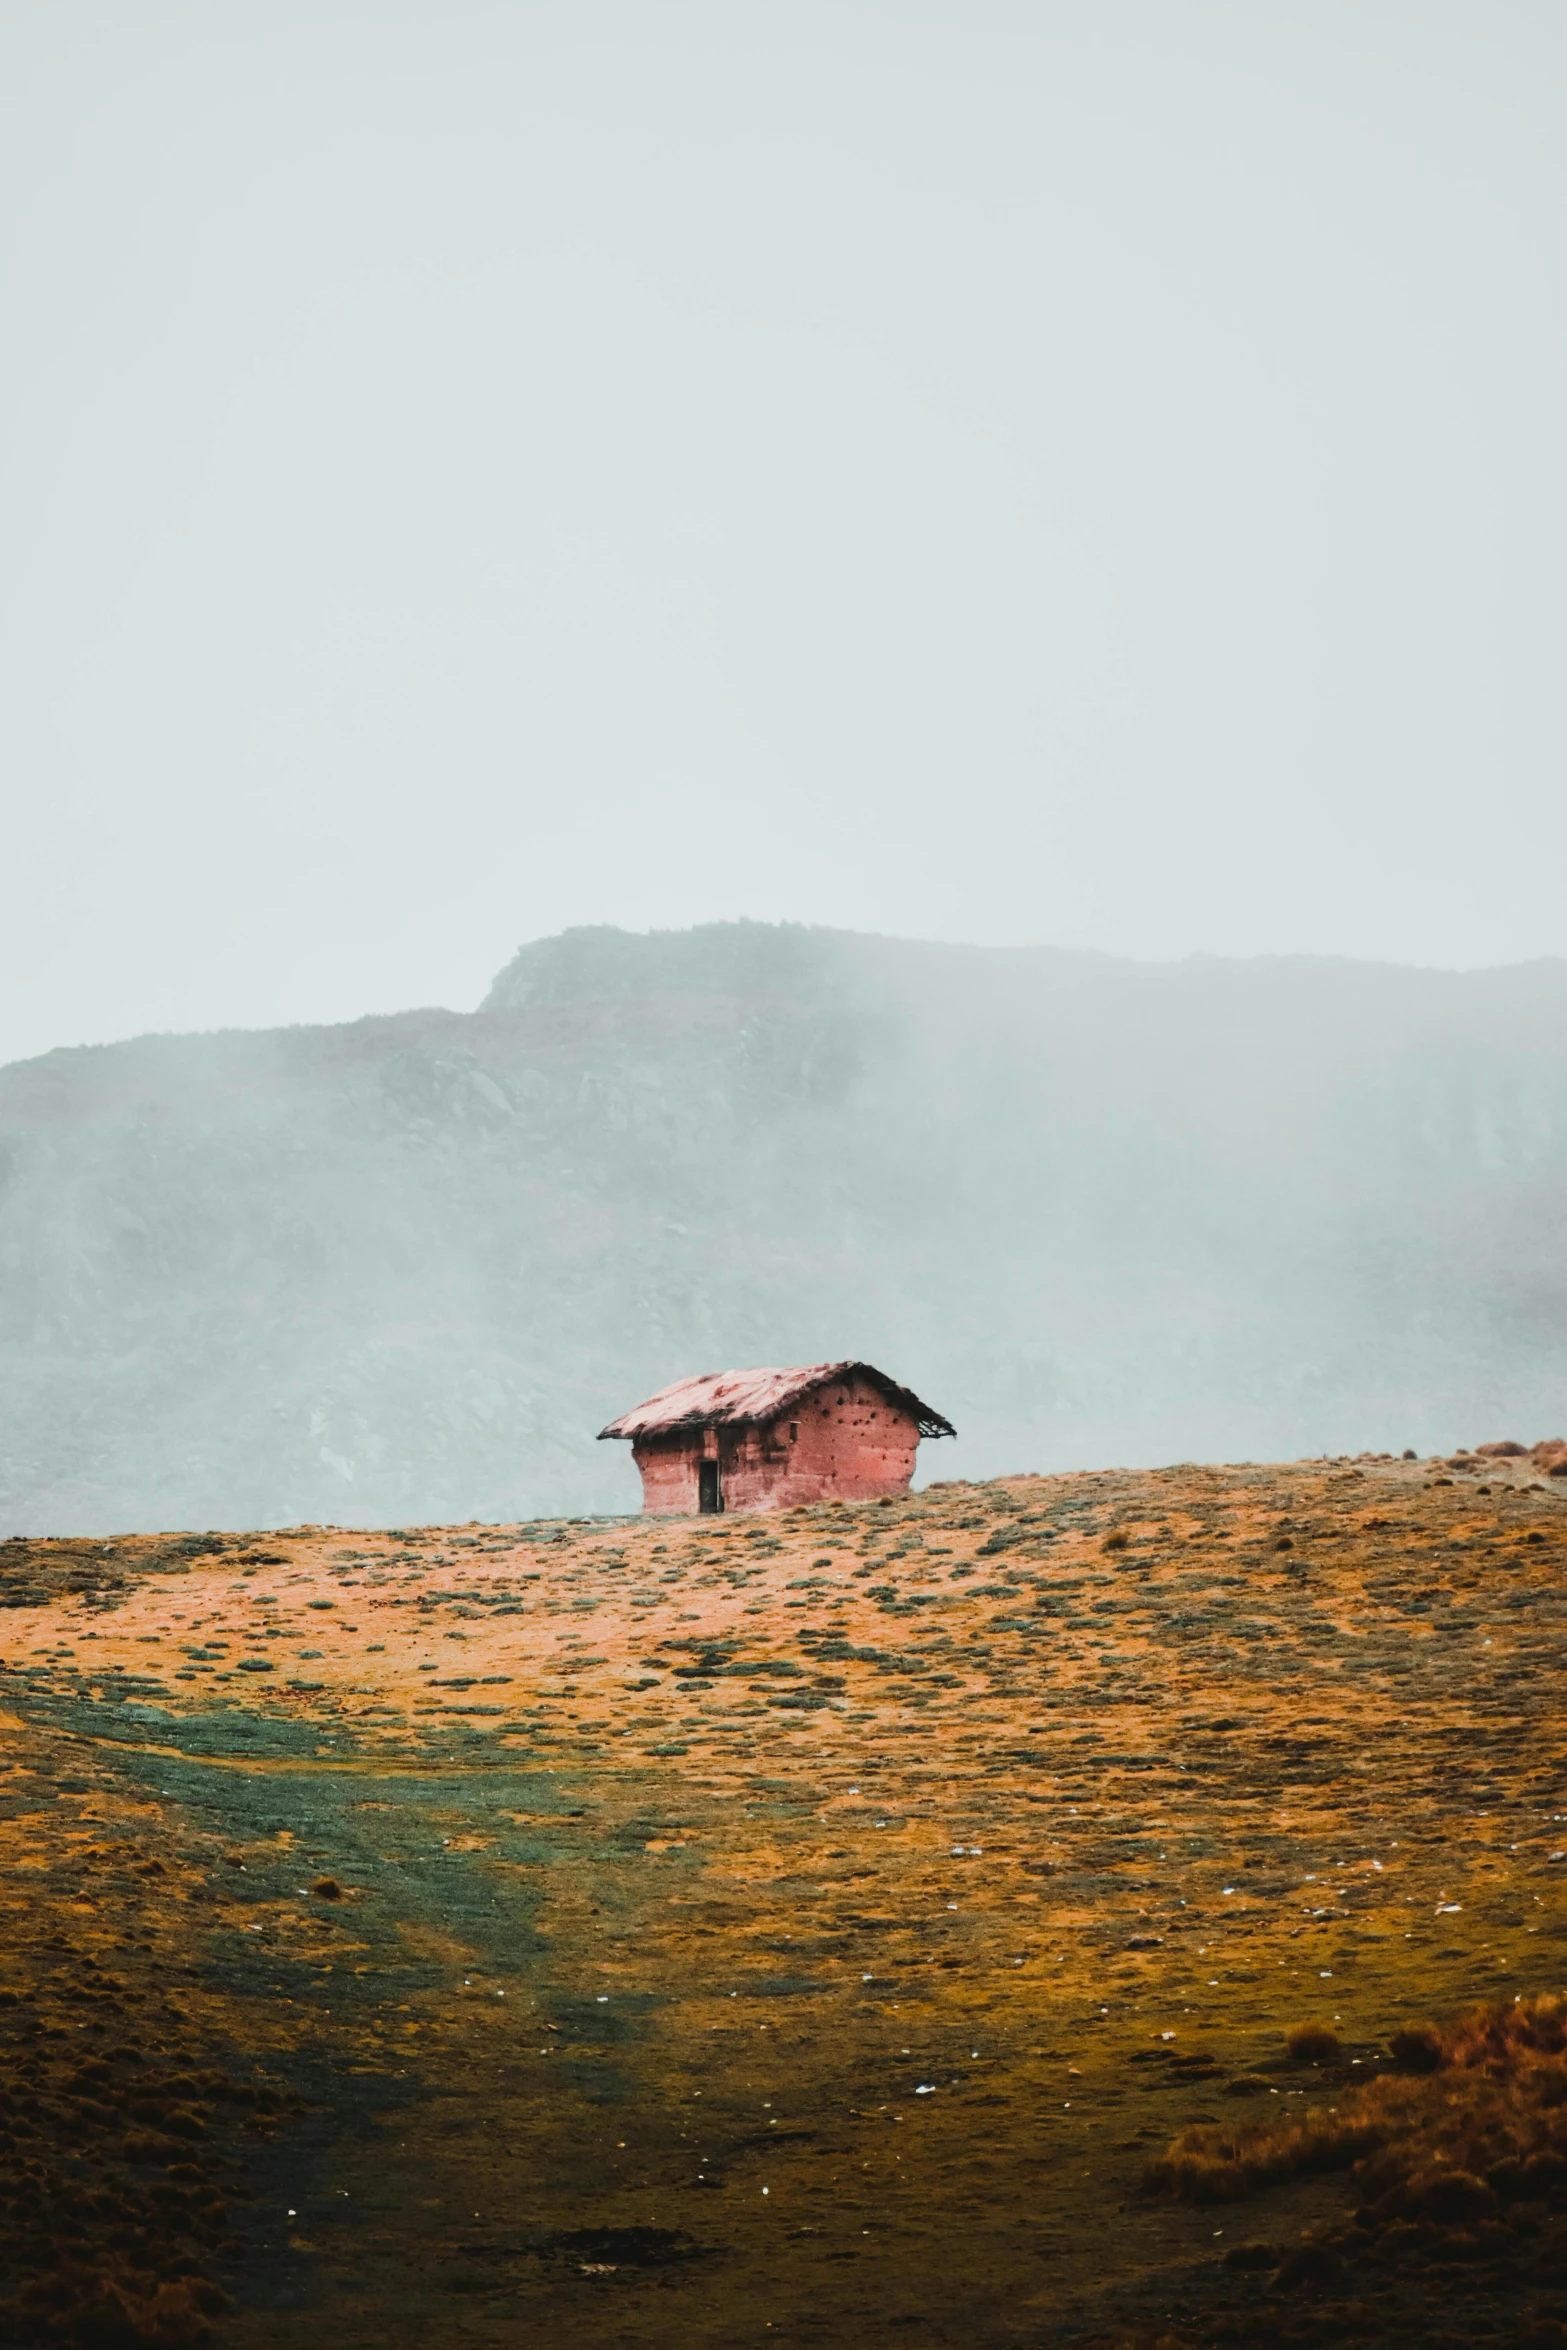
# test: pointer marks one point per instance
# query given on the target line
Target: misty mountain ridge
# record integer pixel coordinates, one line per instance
(1095, 1210)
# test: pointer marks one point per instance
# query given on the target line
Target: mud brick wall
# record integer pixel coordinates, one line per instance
(845, 1442)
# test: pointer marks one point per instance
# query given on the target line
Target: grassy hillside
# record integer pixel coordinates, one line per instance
(1044, 1912)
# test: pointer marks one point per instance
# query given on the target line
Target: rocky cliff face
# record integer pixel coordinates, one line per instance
(1094, 1210)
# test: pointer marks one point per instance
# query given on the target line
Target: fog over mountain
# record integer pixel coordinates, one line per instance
(1094, 1210)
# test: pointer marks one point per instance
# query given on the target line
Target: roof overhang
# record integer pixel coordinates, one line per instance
(739, 1399)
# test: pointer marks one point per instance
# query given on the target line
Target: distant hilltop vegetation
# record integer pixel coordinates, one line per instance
(1114, 1212)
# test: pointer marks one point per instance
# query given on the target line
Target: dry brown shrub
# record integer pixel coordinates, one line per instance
(1118, 1540)
(1508, 2030)
(1213, 2163)
(1251, 2256)
(1417, 2048)
(114, 2308)
(1486, 2123)
(1317, 2263)
(1314, 2043)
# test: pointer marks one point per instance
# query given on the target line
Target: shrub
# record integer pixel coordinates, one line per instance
(1314, 2263)
(1417, 2048)
(1315, 2043)
(1483, 2119)
(1118, 1540)
(1542, 2179)
(1450, 2197)
(1212, 2163)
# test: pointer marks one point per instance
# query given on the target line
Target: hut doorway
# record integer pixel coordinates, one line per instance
(709, 1497)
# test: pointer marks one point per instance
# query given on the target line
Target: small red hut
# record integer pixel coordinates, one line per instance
(765, 1440)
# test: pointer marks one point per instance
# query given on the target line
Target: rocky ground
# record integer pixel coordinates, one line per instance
(815, 1925)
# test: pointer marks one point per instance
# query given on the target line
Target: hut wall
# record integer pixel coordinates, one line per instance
(669, 1470)
(842, 1442)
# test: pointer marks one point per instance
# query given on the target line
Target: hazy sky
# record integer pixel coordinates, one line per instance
(1086, 473)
